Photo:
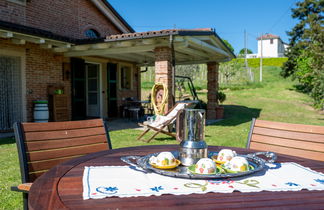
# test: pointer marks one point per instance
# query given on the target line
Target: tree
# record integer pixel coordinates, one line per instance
(228, 45)
(305, 55)
(242, 51)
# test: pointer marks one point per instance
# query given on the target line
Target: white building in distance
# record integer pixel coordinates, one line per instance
(272, 46)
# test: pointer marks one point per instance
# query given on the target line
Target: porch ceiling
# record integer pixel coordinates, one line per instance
(190, 47)
(45, 42)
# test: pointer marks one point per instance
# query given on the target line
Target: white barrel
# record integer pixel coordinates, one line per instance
(40, 112)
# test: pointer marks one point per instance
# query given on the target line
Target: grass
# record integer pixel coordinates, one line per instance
(10, 175)
(273, 99)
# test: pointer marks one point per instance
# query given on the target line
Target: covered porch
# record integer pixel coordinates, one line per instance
(163, 49)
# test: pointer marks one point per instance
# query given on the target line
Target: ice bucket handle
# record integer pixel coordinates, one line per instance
(271, 155)
(130, 160)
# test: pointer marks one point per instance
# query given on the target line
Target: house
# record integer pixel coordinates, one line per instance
(86, 50)
(272, 46)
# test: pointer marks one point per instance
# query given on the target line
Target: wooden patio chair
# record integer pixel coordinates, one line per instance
(161, 122)
(299, 140)
(42, 146)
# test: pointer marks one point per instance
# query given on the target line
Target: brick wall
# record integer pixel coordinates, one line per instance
(66, 18)
(212, 86)
(12, 12)
(42, 68)
(163, 71)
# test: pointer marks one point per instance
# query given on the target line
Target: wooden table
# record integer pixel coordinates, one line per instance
(61, 188)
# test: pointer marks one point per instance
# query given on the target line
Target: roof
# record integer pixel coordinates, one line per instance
(168, 32)
(268, 36)
(165, 32)
(33, 31)
(191, 46)
(27, 30)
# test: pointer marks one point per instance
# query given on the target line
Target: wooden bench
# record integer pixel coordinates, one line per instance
(305, 141)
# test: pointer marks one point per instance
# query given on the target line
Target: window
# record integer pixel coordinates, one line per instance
(125, 77)
(271, 41)
(92, 34)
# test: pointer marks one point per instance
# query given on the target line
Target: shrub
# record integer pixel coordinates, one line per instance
(221, 97)
(255, 62)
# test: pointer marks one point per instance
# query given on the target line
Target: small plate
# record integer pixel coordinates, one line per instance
(218, 162)
(167, 167)
(192, 170)
(233, 172)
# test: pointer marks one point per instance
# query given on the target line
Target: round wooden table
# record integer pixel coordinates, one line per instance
(61, 188)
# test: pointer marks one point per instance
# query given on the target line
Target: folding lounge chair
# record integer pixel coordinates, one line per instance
(161, 122)
(42, 146)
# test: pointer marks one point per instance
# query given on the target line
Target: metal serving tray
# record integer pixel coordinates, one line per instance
(256, 162)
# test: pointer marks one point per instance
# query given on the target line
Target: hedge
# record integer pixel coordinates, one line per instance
(255, 62)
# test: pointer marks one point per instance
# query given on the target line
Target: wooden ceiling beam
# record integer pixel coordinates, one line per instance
(205, 46)
(46, 46)
(100, 46)
(120, 58)
(116, 50)
(194, 53)
(18, 41)
(6, 34)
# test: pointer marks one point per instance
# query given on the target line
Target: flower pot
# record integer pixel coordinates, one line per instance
(219, 112)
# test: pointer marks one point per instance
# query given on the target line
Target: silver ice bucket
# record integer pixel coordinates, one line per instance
(193, 147)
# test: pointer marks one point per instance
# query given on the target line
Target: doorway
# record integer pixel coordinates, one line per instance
(86, 83)
(93, 90)
(10, 92)
(112, 89)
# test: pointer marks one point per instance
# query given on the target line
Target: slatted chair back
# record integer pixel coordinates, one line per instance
(41, 146)
(305, 141)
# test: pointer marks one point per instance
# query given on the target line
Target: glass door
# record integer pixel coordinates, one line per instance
(93, 90)
(10, 91)
(112, 89)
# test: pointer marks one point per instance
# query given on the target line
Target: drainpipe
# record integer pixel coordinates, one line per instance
(173, 66)
(145, 70)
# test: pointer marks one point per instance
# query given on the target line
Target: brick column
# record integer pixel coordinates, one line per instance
(163, 71)
(212, 86)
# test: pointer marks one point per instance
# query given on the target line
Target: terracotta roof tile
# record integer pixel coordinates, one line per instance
(268, 36)
(164, 32)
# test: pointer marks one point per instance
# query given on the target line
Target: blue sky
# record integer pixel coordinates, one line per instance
(228, 17)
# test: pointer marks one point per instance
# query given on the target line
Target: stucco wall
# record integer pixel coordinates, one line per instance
(268, 49)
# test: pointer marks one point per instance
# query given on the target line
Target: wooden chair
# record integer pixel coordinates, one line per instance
(305, 141)
(42, 146)
(161, 122)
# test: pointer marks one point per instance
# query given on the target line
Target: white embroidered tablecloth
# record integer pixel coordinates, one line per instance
(125, 181)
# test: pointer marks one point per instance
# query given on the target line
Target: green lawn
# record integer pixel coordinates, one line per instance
(274, 99)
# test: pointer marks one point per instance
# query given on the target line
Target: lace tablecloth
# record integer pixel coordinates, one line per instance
(126, 181)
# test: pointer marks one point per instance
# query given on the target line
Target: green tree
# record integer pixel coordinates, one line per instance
(228, 45)
(242, 51)
(305, 55)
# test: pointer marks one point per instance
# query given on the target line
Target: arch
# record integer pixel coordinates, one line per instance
(91, 33)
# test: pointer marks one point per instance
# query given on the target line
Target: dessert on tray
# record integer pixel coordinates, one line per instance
(205, 166)
(237, 164)
(224, 156)
(164, 160)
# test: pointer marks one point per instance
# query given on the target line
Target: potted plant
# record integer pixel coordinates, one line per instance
(220, 97)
